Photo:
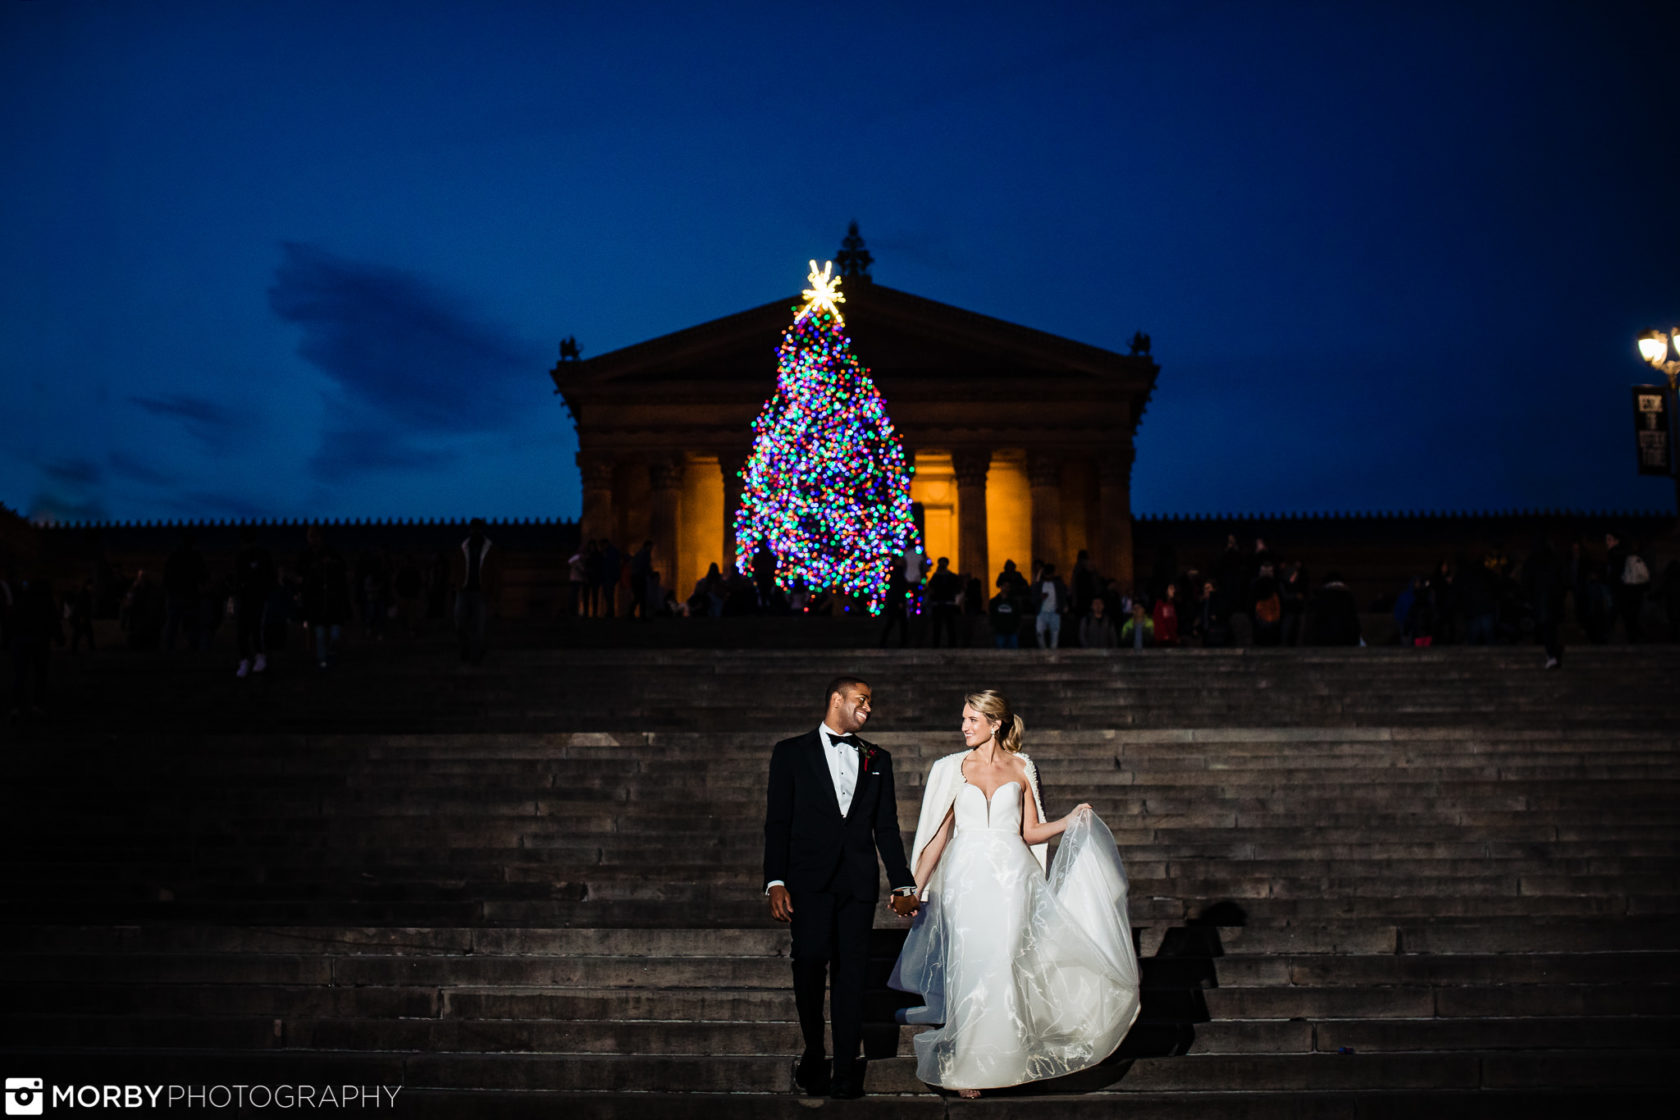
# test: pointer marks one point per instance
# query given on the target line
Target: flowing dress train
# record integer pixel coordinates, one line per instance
(1028, 976)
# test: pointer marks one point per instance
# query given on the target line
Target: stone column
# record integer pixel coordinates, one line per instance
(665, 474)
(596, 520)
(1044, 477)
(971, 467)
(731, 463)
(1114, 515)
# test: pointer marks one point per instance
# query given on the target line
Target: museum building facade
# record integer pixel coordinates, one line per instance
(1022, 441)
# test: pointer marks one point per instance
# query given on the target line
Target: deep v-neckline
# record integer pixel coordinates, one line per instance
(987, 797)
(962, 772)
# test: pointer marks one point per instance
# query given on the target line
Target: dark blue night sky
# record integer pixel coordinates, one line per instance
(312, 258)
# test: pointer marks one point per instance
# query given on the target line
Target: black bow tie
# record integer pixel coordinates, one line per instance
(846, 741)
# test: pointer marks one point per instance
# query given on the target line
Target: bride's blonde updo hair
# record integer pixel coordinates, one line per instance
(993, 706)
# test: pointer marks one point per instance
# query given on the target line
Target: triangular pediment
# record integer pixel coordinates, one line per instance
(897, 335)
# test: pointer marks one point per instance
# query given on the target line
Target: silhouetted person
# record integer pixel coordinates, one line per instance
(1230, 575)
(1165, 615)
(577, 580)
(1011, 580)
(612, 565)
(641, 563)
(1420, 618)
(34, 628)
(1051, 600)
(1083, 581)
(1213, 617)
(474, 586)
(1479, 592)
(1443, 585)
(739, 597)
(253, 583)
(1292, 599)
(325, 579)
(595, 575)
(1139, 631)
(1096, 629)
(944, 587)
(1005, 612)
(764, 576)
(1333, 615)
(897, 607)
(185, 575)
(709, 594)
(1267, 602)
(1546, 579)
(1628, 578)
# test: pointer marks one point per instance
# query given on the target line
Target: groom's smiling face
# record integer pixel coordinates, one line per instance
(849, 708)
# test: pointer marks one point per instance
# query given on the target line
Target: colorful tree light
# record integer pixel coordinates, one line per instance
(826, 488)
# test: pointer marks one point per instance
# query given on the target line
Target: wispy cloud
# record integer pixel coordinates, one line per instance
(408, 366)
(72, 472)
(213, 424)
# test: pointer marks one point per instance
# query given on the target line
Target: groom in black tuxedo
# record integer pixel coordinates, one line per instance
(831, 808)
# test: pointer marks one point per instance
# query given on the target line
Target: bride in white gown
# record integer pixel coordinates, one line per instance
(1030, 975)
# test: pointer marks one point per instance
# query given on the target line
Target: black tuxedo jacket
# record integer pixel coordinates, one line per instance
(807, 843)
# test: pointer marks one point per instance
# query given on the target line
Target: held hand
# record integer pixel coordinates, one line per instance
(1082, 807)
(905, 905)
(781, 904)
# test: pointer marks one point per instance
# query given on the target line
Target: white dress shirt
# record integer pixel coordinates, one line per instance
(842, 759)
(842, 766)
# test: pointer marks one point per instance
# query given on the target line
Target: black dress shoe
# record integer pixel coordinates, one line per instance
(848, 1084)
(811, 1074)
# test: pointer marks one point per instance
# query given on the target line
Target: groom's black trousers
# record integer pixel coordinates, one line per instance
(831, 929)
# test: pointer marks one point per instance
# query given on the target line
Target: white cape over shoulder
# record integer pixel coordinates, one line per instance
(1028, 976)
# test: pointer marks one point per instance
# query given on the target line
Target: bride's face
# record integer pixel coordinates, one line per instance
(976, 729)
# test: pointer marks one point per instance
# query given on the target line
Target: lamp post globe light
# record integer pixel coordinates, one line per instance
(1656, 348)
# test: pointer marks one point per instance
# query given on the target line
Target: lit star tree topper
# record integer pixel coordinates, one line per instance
(827, 488)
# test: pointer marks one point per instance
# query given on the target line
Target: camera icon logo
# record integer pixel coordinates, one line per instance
(24, 1096)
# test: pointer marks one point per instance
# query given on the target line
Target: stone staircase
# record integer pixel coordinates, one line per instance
(1364, 882)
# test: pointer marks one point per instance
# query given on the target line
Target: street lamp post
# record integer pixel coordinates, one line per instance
(1655, 347)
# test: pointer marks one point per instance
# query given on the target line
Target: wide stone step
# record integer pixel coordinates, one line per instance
(598, 868)
(1113, 790)
(1356, 937)
(1147, 1038)
(625, 971)
(731, 911)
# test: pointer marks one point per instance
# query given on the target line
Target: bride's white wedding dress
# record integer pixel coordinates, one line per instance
(1031, 976)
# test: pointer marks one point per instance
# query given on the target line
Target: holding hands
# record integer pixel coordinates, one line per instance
(781, 904)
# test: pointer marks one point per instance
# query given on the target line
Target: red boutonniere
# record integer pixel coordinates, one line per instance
(868, 753)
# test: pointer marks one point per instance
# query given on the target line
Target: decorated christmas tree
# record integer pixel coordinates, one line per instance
(826, 487)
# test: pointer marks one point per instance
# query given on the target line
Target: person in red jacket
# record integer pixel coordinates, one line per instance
(1166, 617)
